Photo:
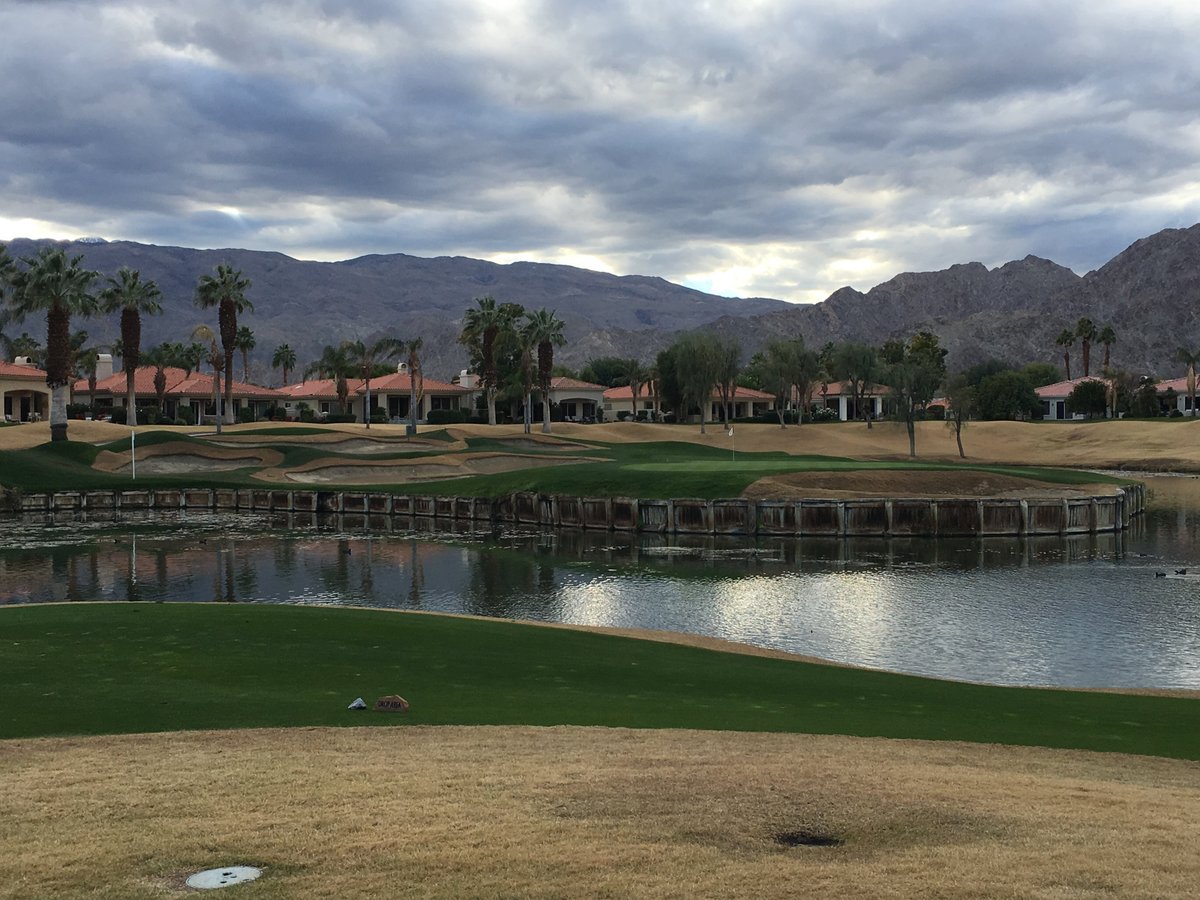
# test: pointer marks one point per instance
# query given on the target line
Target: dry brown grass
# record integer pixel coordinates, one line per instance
(912, 483)
(558, 812)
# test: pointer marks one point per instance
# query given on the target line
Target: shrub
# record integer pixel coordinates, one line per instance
(379, 416)
(344, 418)
(624, 415)
(306, 414)
(246, 414)
(935, 411)
(1176, 413)
(187, 415)
(823, 414)
(452, 417)
(119, 415)
(77, 410)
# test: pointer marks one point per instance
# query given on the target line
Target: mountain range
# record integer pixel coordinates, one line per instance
(1013, 312)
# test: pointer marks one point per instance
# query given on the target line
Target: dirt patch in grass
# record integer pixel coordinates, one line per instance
(179, 458)
(555, 812)
(911, 483)
(398, 471)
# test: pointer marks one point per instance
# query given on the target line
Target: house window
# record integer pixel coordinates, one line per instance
(442, 403)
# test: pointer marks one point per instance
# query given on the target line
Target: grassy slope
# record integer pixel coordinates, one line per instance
(91, 669)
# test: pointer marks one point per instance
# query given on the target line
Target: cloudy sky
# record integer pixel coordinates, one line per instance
(754, 148)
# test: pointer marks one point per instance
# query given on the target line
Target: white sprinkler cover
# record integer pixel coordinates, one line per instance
(219, 878)
(358, 704)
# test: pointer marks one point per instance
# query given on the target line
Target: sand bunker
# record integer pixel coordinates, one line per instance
(435, 468)
(532, 443)
(341, 444)
(909, 483)
(181, 458)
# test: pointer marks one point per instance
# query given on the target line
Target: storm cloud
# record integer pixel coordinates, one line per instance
(752, 148)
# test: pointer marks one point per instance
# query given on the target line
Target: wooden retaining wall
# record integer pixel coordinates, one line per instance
(901, 517)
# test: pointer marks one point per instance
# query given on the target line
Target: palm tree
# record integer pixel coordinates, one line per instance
(201, 334)
(335, 363)
(416, 383)
(284, 358)
(1107, 337)
(1190, 358)
(636, 375)
(545, 330)
(58, 286)
(132, 297)
(1066, 340)
(367, 357)
(481, 326)
(159, 357)
(1085, 330)
(244, 341)
(190, 357)
(89, 360)
(227, 292)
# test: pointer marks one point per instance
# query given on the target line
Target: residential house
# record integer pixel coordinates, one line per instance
(24, 396)
(1054, 396)
(746, 402)
(1180, 401)
(192, 391)
(575, 400)
(390, 393)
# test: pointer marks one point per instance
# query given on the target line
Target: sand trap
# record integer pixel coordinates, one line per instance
(532, 443)
(181, 458)
(434, 468)
(902, 483)
(337, 444)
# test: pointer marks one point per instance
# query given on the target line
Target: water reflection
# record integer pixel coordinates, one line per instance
(1086, 610)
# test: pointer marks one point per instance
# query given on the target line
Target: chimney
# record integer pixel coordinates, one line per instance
(467, 379)
(402, 368)
(22, 361)
(104, 366)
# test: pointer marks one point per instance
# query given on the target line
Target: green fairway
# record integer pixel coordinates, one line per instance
(652, 470)
(112, 668)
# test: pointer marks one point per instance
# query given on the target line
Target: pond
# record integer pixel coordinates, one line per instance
(1107, 610)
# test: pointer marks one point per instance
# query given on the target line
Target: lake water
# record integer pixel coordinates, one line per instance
(1086, 611)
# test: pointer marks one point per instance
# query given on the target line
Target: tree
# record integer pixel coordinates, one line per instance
(160, 357)
(1089, 398)
(366, 358)
(729, 366)
(786, 367)
(336, 363)
(416, 383)
(698, 362)
(60, 287)
(635, 376)
(190, 357)
(545, 330)
(858, 365)
(1190, 358)
(610, 371)
(914, 379)
(227, 292)
(132, 297)
(284, 358)
(88, 361)
(1040, 373)
(1107, 337)
(960, 406)
(670, 390)
(245, 342)
(481, 326)
(1085, 330)
(1007, 395)
(202, 335)
(527, 375)
(1066, 340)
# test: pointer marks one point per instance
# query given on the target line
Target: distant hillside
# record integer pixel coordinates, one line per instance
(309, 304)
(1150, 293)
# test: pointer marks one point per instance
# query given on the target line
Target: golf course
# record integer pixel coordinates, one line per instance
(141, 742)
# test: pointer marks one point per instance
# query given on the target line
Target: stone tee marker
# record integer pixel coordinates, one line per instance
(391, 703)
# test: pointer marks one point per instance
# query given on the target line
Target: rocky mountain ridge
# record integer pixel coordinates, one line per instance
(1149, 293)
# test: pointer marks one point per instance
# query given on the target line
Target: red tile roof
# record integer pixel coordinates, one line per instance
(1178, 385)
(319, 389)
(1064, 388)
(401, 382)
(179, 384)
(563, 383)
(12, 370)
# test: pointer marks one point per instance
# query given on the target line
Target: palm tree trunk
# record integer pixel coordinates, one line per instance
(229, 387)
(1067, 363)
(527, 415)
(490, 394)
(545, 412)
(217, 399)
(367, 403)
(958, 437)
